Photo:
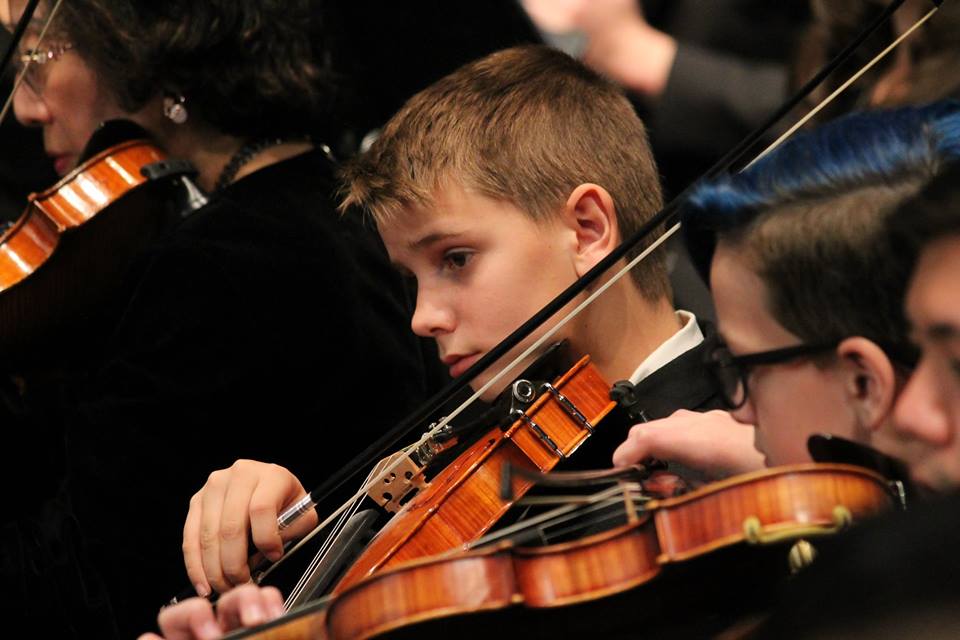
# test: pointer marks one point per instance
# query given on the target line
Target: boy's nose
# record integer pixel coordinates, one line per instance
(431, 320)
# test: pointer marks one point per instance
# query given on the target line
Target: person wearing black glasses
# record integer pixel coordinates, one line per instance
(807, 290)
(896, 576)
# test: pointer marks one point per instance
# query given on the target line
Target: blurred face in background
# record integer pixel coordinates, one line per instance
(927, 415)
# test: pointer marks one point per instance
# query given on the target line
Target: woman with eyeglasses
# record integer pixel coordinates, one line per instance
(808, 291)
(261, 322)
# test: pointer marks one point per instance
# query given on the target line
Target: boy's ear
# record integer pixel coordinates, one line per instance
(591, 213)
(870, 381)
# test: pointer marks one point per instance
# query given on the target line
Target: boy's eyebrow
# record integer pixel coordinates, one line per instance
(431, 238)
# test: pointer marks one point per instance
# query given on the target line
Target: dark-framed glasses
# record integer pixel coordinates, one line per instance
(35, 64)
(731, 372)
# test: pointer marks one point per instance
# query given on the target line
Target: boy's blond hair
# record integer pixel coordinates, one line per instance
(525, 125)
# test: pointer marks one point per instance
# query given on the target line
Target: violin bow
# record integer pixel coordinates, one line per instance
(387, 441)
(18, 33)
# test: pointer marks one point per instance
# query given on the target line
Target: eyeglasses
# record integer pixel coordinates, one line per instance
(36, 62)
(731, 372)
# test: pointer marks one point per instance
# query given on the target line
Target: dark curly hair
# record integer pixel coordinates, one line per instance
(248, 67)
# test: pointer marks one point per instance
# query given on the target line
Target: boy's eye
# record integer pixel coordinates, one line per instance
(456, 259)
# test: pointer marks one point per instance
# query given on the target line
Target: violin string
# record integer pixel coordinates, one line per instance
(335, 532)
(337, 529)
(318, 557)
(578, 521)
(332, 537)
(613, 513)
(26, 65)
(321, 555)
(612, 495)
(307, 502)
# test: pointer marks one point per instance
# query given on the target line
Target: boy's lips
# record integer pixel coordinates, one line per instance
(460, 363)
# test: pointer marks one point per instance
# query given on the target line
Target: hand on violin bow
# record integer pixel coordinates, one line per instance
(248, 496)
(195, 619)
(711, 442)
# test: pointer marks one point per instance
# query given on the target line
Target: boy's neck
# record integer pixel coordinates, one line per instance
(622, 328)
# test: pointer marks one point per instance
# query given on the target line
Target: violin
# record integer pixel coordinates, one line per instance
(463, 501)
(667, 562)
(547, 422)
(783, 507)
(61, 260)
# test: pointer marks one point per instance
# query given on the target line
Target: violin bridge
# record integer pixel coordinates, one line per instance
(396, 479)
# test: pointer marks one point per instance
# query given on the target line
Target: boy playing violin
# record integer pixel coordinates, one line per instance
(496, 188)
(871, 164)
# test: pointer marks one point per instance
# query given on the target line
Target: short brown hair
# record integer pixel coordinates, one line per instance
(525, 125)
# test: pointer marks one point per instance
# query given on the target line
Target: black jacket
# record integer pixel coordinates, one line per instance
(265, 326)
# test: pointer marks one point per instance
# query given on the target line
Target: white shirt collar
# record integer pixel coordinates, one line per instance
(686, 338)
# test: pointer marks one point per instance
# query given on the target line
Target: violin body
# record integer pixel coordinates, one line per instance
(770, 508)
(68, 252)
(464, 500)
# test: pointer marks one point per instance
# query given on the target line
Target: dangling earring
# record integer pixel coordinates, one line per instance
(174, 108)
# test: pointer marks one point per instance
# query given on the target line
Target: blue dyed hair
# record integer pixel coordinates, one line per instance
(810, 217)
